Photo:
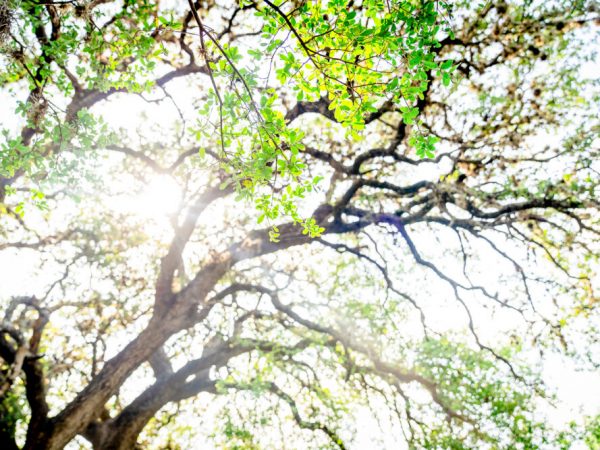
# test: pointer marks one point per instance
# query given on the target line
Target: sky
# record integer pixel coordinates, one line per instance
(577, 391)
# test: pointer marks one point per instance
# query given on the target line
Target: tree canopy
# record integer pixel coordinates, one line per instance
(298, 224)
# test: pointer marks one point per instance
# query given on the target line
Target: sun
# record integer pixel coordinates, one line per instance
(160, 198)
(154, 203)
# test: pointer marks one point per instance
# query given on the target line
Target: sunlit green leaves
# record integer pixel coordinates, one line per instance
(355, 57)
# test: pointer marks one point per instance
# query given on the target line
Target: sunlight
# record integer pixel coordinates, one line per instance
(159, 199)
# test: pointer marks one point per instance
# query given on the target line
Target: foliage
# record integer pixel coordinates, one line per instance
(273, 224)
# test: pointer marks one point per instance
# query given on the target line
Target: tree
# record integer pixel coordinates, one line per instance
(422, 228)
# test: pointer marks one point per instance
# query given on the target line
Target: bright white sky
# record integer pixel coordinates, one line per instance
(578, 392)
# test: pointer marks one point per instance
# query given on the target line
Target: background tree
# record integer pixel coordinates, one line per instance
(422, 227)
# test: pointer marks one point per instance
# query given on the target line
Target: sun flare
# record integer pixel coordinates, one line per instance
(158, 200)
